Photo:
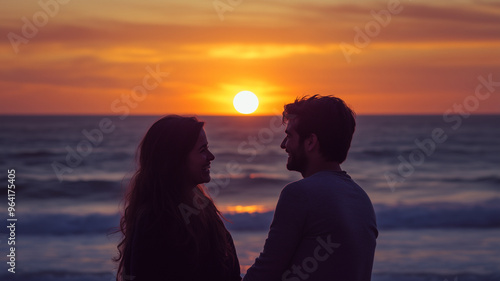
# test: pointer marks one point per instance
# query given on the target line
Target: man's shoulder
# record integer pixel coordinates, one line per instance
(296, 190)
(321, 177)
(319, 182)
(300, 187)
(296, 185)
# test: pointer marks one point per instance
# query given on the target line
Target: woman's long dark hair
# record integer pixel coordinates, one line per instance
(158, 188)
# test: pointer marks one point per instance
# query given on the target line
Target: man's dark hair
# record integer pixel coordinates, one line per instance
(329, 118)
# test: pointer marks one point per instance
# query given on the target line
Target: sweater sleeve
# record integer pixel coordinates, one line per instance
(284, 236)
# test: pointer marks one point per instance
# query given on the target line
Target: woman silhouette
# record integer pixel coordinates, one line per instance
(171, 227)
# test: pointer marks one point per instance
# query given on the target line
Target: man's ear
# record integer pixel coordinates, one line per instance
(311, 142)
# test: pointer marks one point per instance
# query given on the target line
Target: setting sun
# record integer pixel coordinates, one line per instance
(245, 102)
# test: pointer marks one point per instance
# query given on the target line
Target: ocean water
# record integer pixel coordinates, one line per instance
(434, 183)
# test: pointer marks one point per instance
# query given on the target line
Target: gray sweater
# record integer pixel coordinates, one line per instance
(324, 228)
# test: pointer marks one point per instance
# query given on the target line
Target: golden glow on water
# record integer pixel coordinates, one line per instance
(247, 209)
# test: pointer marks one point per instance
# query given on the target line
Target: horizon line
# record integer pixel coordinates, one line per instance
(221, 115)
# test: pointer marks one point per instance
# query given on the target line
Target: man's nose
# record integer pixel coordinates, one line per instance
(283, 143)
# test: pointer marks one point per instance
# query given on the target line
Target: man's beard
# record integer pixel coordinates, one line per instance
(297, 160)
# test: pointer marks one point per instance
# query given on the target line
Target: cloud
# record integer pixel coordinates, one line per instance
(306, 24)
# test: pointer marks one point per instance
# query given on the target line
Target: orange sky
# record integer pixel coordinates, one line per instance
(92, 57)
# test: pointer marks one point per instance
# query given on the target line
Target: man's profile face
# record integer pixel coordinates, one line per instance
(297, 160)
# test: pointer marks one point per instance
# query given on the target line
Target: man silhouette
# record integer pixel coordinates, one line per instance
(324, 225)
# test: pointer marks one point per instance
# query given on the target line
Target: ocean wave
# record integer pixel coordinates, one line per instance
(57, 275)
(423, 216)
(81, 189)
(439, 215)
(440, 153)
(420, 276)
(249, 221)
(67, 224)
(372, 152)
(34, 154)
(494, 179)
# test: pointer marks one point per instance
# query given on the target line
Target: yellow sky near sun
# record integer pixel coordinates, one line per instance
(92, 57)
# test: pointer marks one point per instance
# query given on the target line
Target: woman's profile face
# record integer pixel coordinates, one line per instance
(199, 160)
